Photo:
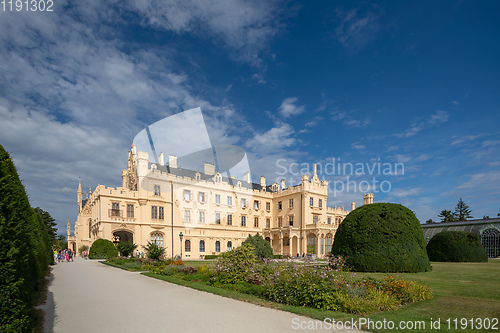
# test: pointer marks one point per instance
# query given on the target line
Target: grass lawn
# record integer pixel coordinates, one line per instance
(461, 290)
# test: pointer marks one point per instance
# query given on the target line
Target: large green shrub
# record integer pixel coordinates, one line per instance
(456, 246)
(126, 248)
(154, 251)
(382, 237)
(262, 248)
(24, 251)
(233, 266)
(102, 249)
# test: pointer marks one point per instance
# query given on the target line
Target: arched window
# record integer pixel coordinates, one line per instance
(311, 244)
(202, 246)
(157, 238)
(217, 246)
(328, 243)
(187, 245)
(229, 245)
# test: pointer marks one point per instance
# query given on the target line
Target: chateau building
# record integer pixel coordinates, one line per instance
(159, 202)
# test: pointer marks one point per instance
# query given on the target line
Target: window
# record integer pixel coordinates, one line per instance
(243, 221)
(202, 246)
(229, 200)
(115, 209)
(286, 241)
(154, 212)
(217, 218)
(187, 245)
(268, 223)
(315, 218)
(290, 203)
(280, 222)
(328, 243)
(157, 238)
(256, 204)
(187, 216)
(157, 190)
(202, 217)
(187, 195)
(217, 198)
(290, 220)
(130, 210)
(161, 215)
(256, 222)
(311, 202)
(320, 203)
(243, 202)
(268, 206)
(311, 243)
(329, 220)
(229, 219)
(201, 196)
(321, 246)
(229, 245)
(280, 205)
(217, 246)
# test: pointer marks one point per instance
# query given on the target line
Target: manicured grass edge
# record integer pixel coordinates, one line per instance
(120, 267)
(302, 311)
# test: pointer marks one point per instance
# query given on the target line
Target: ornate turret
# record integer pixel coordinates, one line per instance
(79, 195)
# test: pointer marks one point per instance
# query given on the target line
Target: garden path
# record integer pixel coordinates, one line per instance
(87, 296)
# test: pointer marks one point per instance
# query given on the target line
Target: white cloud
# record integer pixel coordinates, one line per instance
(489, 143)
(435, 119)
(356, 29)
(289, 107)
(357, 146)
(482, 181)
(403, 193)
(274, 139)
(348, 121)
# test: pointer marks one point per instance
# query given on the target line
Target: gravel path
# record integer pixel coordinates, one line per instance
(87, 296)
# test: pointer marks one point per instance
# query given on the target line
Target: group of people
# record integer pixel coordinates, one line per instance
(62, 255)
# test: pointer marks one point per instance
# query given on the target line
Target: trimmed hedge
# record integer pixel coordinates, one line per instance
(102, 249)
(456, 246)
(25, 251)
(382, 237)
(211, 256)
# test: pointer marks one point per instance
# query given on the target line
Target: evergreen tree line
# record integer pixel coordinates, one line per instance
(462, 213)
(25, 251)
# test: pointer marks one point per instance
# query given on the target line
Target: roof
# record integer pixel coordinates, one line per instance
(460, 223)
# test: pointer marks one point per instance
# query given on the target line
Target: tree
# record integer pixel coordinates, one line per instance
(126, 248)
(154, 251)
(430, 221)
(262, 248)
(462, 211)
(446, 216)
(486, 217)
(50, 224)
(61, 242)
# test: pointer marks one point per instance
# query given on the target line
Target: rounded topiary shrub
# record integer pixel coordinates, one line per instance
(382, 237)
(456, 246)
(102, 249)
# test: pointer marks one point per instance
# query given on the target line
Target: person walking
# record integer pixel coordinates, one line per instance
(67, 255)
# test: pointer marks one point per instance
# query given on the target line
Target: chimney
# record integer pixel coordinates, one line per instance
(315, 174)
(161, 159)
(263, 181)
(246, 177)
(209, 169)
(282, 184)
(172, 161)
(353, 206)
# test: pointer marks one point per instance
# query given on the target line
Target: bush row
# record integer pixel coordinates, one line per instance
(25, 251)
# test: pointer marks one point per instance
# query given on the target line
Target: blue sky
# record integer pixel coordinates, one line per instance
(365, 82)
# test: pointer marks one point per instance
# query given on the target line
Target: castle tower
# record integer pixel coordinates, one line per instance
(79, 195)
(368, 198)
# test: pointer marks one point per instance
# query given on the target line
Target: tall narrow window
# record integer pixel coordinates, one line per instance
(290, 220)
(328, 243)
(217, 198)
(320, 203)
(315, 218)
(229, 245)
(157, 190)
(187, 216)
(187, 195)
(311, 202)
(243, 221)
(229, 200)
(202, 246)
(217, 218)
(229, 219)
(243, 202)
(280, 222)
(280, 205)
(202, 217)
(115, 209)
(130, 210)
(256, 204)
(154, 212)
(290, 203)
(157, 238)
(256, 222)
(268, 223)
(217, 246)
(329, 220)
(268, 206)
(187, 245)
(161, 215)
(201, 196)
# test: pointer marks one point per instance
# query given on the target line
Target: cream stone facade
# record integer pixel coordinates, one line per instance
(158, 201)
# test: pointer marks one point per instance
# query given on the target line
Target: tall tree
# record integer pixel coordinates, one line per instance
(462, 211)
(446, 216)
(430, 221)
(50, 224)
